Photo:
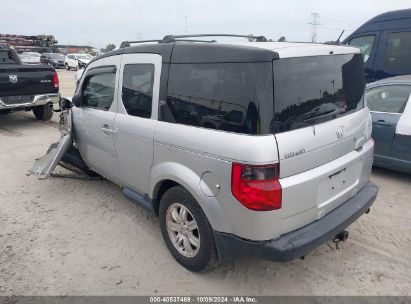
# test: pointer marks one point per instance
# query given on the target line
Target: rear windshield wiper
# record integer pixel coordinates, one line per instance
(319, 115)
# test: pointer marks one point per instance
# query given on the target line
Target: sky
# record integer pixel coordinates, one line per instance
(100, 22)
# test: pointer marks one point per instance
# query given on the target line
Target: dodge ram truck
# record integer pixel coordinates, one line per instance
(27, 87)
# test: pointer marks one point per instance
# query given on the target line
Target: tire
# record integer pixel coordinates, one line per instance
(204, 257)
(67, 67)
(43, 112)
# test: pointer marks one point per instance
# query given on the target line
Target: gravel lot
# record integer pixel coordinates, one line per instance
(73, 237)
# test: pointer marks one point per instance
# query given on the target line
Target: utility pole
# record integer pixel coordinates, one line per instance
(315, 24)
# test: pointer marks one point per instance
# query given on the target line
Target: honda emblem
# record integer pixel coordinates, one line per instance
(340, 132)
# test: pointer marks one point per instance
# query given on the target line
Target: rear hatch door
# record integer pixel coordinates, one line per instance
(318, 102)
(319, 118)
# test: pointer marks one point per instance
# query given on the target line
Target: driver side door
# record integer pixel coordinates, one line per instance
(93, 121)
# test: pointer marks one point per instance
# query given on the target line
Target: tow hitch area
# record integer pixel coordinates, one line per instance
(46, 164)
(340, 237)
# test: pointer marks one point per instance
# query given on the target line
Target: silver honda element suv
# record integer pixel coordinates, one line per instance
(257, 148)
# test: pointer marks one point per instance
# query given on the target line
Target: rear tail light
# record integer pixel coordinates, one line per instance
(55, 80)
(257, 187)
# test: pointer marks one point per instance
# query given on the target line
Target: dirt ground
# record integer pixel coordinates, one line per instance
(75, 237)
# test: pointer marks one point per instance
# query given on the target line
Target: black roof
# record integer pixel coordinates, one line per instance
(386, 21)
(199, 52)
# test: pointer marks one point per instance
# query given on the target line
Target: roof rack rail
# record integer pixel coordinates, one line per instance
(128, 43)
(174, 38)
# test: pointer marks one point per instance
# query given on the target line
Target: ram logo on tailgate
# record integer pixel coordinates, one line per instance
(13, 78)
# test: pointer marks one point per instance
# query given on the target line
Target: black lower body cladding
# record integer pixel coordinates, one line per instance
(300, 242)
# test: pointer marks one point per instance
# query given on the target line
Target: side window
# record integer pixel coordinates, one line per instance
(390, 99)
(398, 52)
(137, 90)
(224, 96)
(98, 91)
(365, 43)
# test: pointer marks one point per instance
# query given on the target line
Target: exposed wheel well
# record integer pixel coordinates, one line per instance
(159, 191)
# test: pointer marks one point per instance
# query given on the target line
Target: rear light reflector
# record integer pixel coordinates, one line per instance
(257, 187)
(56, 81)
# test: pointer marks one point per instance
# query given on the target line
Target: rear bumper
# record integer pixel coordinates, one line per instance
(300, 242)
(38, 100)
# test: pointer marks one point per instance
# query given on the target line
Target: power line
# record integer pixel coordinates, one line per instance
(315, 24)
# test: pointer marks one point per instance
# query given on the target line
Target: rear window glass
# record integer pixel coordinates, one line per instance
(235, 97)
(6, 57)
(137, 90)
(312, 90)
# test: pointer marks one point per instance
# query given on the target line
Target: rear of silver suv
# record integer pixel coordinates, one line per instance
(258, 149)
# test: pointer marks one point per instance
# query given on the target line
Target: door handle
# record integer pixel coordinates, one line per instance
(106, 130)
(383, 122)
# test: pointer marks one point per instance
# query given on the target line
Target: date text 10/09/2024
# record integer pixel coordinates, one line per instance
(205, 299)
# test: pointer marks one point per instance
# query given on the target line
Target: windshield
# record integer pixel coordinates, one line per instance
(312, 90)
(23, 56)
(32, 54)
(6, 57)
(84, 56)
(56, 56)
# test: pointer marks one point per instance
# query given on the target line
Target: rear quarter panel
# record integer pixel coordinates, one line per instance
(184, 154)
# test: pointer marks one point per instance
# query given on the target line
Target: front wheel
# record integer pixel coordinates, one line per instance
(43, 112)
(67, 67)
(186, 230)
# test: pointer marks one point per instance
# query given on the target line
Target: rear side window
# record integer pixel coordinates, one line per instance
(234, 97)
(98, 91)
(365, 43)
(398, 53)
(312, 90)
(137, 91)
(390, 99)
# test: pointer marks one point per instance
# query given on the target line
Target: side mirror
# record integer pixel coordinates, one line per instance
(65, 104)
(77, 100)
